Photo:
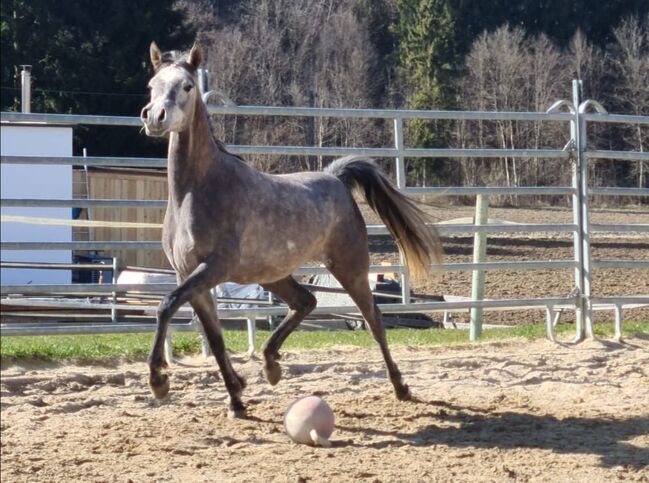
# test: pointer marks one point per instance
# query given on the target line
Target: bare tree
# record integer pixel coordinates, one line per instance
(631, 65)
(297, 53)
(588, 63)
(508, 72)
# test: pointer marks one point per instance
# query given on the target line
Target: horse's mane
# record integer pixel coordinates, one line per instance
(219, 144)
(179, 58)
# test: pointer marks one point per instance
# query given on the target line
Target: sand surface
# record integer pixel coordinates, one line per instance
(513, 411)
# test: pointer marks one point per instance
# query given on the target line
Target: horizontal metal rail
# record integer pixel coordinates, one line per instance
(86, 161)
(630, 155)
(439, 191)
(387, 113)
(64, 317)
(619, 191)
(166, 287)
(186, 310)
(525, 265)
(371, 230)
(521, 304)
(491, 190)
(293, 151)
(280, 310)
(616, 118)
(17, 329)
(69, 119)
(60, 305)
(608, 228)
(449, 229)
(262, 305)
(406, 152)
(72, 119)
(77, 288)
(83, 245)
(59, 203)
(57, 266)
(628, 264)
(622, 300)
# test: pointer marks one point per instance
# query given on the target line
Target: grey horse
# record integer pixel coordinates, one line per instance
(226, 221)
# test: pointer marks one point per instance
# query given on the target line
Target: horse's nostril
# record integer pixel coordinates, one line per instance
(144, 115)
(163, 115)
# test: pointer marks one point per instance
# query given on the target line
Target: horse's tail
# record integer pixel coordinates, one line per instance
(418, 242)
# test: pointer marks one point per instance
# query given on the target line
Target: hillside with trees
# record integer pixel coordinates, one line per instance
(415, 54)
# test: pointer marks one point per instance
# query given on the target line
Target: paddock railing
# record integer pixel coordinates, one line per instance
(576, 156)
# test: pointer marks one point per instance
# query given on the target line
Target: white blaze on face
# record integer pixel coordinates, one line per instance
(290, 245)
(168, 90)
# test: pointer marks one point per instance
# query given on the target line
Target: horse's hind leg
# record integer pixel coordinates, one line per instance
(204, 307)
(353, 278)
(301, 302)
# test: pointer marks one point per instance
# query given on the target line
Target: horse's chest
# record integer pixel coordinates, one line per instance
(179, 242)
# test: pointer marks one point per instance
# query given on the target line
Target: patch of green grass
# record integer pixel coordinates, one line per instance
(89, 347)
(85, 348)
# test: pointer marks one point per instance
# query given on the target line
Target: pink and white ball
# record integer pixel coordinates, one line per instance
(309, 420)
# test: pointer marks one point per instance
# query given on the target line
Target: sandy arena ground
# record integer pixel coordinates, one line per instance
(511, 411)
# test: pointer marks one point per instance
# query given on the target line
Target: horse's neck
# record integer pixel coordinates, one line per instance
(191, 153)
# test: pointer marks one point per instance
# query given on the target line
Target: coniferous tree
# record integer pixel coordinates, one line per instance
(427, 58)
(87, 58)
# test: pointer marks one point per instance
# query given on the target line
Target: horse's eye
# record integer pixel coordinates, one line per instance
(188, 87)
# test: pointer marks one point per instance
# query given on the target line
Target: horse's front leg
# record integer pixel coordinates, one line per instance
(202, 278)
(159, 381)
(205, 309)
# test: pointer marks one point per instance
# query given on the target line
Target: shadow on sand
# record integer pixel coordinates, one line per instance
(477, 428)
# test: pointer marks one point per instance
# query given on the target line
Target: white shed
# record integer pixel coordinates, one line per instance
(35, 181)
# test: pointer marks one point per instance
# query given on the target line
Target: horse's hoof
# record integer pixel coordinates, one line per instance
(239, 413)
(159, 385)
(403, 393)
(273, 373)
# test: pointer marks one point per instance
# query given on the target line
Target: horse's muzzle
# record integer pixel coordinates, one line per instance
(154, 119)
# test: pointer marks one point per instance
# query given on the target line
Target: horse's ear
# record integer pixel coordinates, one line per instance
(195, 57)
(156, 55)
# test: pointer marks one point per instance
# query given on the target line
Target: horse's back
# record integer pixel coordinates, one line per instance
(294, 218)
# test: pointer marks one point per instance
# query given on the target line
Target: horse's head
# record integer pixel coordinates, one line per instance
(173, 92)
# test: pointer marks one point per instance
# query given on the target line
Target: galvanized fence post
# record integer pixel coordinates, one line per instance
(585, 236)
(479, 256)
(401, 184)
(26, 89)
(251, 323)
(587, 327)
(577, 212)
(113, 310)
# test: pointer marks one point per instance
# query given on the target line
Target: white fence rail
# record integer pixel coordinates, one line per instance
(576, 155)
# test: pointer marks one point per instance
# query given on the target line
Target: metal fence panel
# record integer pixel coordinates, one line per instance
(580, 228)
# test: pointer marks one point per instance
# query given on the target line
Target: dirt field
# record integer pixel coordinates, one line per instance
(500, 412)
